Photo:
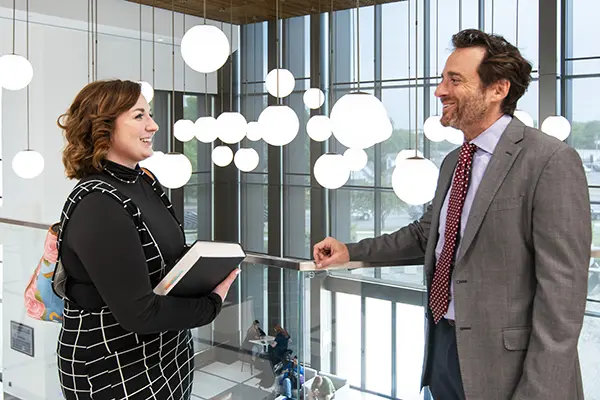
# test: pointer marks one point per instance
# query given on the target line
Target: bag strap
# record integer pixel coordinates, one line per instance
(77, 194)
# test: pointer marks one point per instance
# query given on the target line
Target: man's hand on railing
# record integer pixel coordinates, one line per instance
(330, 251)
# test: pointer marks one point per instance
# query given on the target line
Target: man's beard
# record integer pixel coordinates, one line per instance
(467, 112)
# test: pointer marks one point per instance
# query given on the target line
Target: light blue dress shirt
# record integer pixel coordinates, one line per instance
(486, 144)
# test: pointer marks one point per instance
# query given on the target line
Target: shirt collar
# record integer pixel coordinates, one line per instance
(488, 139)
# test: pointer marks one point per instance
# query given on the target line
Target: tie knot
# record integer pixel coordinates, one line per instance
(468, 149)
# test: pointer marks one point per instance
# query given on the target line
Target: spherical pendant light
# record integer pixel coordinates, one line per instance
(407, 153)
(557, 126)
(231, 127)
(359, 120)
(331, 171)
(246, 159)
(313, 98)
(205, 48)
(147, 91)
(16, 72)
(176, 170)
(222, 156)
(253, 131)
(454, 135)
(153, 164)
(279, 125)
(206, 129)
(318, 128)
(433, 129)
(524, 117)
(414, 180)
(286, 82)
(184, 130)
(356, 159)
(28, 164)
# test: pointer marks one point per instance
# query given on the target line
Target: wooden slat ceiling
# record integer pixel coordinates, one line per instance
(250, 11)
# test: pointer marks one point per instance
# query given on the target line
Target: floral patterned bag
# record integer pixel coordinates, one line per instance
(40, 300)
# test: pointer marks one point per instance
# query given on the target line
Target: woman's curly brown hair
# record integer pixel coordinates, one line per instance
(89, 123)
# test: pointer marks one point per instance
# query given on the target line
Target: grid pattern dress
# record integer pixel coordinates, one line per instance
(97, 358)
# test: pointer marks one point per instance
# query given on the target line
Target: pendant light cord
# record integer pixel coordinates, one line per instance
(331, 61)
(409, 74)
(231, 64)
(153, 48)
(14, 25)
(205, 74)
(277, 67)
(27, 47)
(89, 37)
(254, 84)
(517, 27)
(140, 42)
(96, 42)
(437, 49)
(493, 7)
(173, 69)
(459, 15)
(416, 79)
(184, 10)
(357, 38)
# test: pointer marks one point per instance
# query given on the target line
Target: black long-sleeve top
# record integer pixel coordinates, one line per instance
(105, 262)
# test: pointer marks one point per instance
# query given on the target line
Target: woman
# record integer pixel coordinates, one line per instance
(119, 339)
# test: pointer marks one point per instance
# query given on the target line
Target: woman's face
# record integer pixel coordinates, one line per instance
(131, 140)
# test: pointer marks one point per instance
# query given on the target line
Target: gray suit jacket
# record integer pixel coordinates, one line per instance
(520, 278)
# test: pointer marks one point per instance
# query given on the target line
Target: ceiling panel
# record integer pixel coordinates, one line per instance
(250, 11)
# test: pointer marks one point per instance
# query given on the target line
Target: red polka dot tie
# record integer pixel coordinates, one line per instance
(440, 291)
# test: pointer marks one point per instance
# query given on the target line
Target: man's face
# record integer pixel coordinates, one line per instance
(465, 100)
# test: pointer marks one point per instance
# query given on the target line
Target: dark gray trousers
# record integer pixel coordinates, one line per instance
(445, 383)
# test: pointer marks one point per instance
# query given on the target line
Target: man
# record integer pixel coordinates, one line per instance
(321, 389)
(505, 243)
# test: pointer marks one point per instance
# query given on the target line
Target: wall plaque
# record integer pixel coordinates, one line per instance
(21, 338)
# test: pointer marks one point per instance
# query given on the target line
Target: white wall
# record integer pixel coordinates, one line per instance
(58, 41)
(58, 52)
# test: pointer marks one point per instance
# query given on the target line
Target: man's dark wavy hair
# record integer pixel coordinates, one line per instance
(502, 61)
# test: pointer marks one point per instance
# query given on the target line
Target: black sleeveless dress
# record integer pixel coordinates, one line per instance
(118, 339)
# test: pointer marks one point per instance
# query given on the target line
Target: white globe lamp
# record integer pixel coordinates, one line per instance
(318, 128)
(205, 48)
(176, 170)
(557, 126)
(286, 82)
(253, 131)
(407, 153)
(356, 159)
(246, 159)
(313, 98)
(414, 180)
(359, 120)
(279, 125)
(206, 129)
(153, 164)
(231, 127)
(184, 130)
(147, 91)
(524, 117)
(16, 72)
(331, 171)
(454, 135)
(28, 164)
(222, 156)
(433, 129)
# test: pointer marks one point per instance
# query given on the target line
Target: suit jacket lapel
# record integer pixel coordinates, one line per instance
(444, 180)
(504, 156)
